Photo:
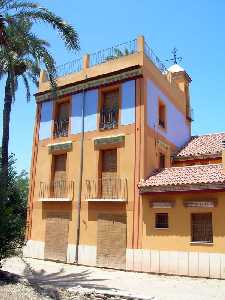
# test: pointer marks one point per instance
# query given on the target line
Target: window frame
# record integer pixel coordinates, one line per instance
(164, 125)
(102, 92)
(161, 214)
(201, 241)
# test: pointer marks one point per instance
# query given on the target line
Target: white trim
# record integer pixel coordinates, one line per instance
(63, 143)
(55, 199)
(105, 200)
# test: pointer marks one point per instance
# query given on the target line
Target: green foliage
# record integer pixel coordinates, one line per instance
(13, 212)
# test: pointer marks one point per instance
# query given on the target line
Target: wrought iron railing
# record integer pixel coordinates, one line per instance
(113, 52)
(106, 188)
(69, 68)
(154, 58)
(108, 119)
(57, 189)
(61, 128)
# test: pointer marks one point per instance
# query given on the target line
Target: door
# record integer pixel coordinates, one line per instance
(109, 174)
(56, 237)
(111, 241)
(59, 183)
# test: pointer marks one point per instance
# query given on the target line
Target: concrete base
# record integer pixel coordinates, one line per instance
(199, 264)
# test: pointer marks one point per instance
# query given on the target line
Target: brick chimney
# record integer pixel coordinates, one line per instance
(183, 80)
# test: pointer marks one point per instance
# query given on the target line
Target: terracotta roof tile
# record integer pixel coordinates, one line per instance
(210, 144)
(188, 175)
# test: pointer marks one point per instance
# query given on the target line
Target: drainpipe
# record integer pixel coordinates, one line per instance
(80, 177)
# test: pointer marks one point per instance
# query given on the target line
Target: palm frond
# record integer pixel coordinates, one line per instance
(27, 87)
(66, 31)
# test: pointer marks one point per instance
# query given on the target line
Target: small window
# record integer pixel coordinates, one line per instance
(110, 110)
(162, 160)
(161, 220)
(201, 228)
(162, 115)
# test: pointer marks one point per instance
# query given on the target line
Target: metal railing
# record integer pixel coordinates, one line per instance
(108, 119)
(106, 188)
(61, 128)
(154, 58)
(113, 52)
(69, 68)
(57, 189)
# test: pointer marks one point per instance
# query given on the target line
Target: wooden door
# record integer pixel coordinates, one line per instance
(109, 174)
(56, 237)
(59, 187)
(111, 241)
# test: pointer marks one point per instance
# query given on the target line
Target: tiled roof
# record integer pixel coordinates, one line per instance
(210, 144)
(188, 175)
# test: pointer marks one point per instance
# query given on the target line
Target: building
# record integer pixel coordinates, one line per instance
(116, 179)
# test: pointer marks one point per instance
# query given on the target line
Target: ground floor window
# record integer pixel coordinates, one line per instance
(201, 228)
(161, 220)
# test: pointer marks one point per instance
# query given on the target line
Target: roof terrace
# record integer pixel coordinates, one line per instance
(129, 55)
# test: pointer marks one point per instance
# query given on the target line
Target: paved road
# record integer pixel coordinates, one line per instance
(51, 274)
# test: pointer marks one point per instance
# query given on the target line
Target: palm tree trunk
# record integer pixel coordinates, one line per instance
(5, 134)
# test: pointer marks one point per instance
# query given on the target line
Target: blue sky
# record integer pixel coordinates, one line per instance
(196, 28)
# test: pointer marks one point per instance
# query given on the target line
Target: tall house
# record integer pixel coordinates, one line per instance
(119, 115)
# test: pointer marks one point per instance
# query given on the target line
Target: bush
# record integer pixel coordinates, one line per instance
(13, 212)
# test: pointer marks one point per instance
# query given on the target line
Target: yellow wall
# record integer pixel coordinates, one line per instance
(178, 236)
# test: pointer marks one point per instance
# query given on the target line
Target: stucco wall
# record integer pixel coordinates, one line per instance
(178, 236)
(177, 130)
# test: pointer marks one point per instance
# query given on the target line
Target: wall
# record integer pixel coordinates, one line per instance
(46, 120)
(178, 235)
(177, 130)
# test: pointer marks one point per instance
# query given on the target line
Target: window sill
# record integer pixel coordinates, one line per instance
(161, 228)
(201, 243)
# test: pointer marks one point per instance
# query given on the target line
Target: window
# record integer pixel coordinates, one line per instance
(201, 228)
(161, 220)
(61, 124)
(109, 184)
(162, 115)
(161, 160)
(110, 110)
(59, 176)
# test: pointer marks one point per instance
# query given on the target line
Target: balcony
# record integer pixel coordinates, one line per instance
(61, 128)
(106, 189)
(108, 119)
(56, 191)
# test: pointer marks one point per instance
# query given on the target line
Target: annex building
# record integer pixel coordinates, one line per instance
(117, 180)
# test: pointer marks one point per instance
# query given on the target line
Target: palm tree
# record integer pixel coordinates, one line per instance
(22, 53)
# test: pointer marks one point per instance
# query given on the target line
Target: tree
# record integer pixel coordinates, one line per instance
(13, 212)
(21, 55)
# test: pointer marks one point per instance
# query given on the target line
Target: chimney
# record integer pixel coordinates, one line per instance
(223, 155)
(183, 80)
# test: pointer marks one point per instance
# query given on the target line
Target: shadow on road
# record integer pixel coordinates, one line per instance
(51, 285)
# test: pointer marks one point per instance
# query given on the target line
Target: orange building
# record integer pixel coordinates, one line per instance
(116, 179)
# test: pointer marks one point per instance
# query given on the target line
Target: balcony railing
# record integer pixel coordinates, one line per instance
(113, 52)
(61, 128)
(154, 58)
(57, 190)
(113, 188)
(108, 119)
